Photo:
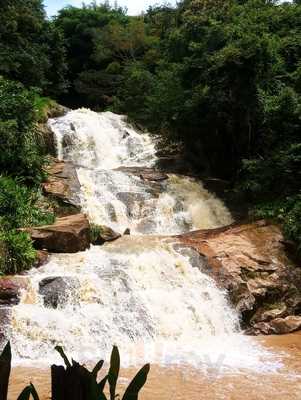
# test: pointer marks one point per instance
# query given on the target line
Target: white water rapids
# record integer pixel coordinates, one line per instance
(143, 293)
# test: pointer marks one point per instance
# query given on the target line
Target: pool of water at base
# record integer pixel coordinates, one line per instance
(183, 382)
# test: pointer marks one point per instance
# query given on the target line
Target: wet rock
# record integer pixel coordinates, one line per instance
(278, 326)
(129, 199)
(263, 314)
(9, 293)
(105, 234)
(175, 165)
(195, 259)
(125, 134)
(68, 140)
(146, 226)
(45, 134)
(57, 110)
(154, 176)
(127, 232)
(286, 325)
(250, 262)
(10, 290)
(46, 139)
(42, 258)
(63, 185)
(57, 291)
(67, 235)
(145, 173)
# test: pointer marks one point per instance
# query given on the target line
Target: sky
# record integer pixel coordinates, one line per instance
(134, 6)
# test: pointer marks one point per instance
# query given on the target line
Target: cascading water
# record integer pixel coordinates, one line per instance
(141, 292)
(102, 144)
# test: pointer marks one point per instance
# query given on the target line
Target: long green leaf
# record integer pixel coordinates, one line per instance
(97, 368)
(34, 392)
(5, 368)
(101, 385)
(6, 353)
(25, 395)
(29, 390)
(114, 371)
(137, 383)
(60, 350)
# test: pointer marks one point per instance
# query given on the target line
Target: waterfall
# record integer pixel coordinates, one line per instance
(101, 144)
(143, 292)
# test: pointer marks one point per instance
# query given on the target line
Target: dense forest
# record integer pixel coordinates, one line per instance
(220, 77)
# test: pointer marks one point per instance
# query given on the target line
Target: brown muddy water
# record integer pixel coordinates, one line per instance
(184, 382)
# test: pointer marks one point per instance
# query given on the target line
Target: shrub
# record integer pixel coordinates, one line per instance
(41, 106)
(19, 151)
(287, 212)
(18, 208)
(18, 205)
(95, 231)
(17, 252)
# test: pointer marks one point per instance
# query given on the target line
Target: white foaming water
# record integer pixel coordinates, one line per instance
(101, 140)
(100, 143)
(141, 292)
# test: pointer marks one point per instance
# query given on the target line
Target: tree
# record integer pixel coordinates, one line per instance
(19, 152)
(31, 50)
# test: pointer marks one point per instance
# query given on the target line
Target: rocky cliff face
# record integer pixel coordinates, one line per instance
(250, 262)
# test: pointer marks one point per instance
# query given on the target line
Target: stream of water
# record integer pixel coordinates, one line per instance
(141, 292)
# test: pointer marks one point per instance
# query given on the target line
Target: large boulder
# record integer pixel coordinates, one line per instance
(250, 262)
(56, 291)
(11, 289)
(67, 235)
(277, 326)
(63, 185)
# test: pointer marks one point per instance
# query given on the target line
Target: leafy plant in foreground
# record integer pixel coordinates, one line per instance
(5, 369)
(75, 381)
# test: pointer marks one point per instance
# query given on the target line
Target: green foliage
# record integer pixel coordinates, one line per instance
(19, 206)
(221, 77)
(19, 151)
(228, 87)
(42, 105)
(287, 212)
(18, 253)
(31, 47)
(138, 83)
(95, 231)
(5, 369)
(87, 381)
(28, 392)
(101, 40)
